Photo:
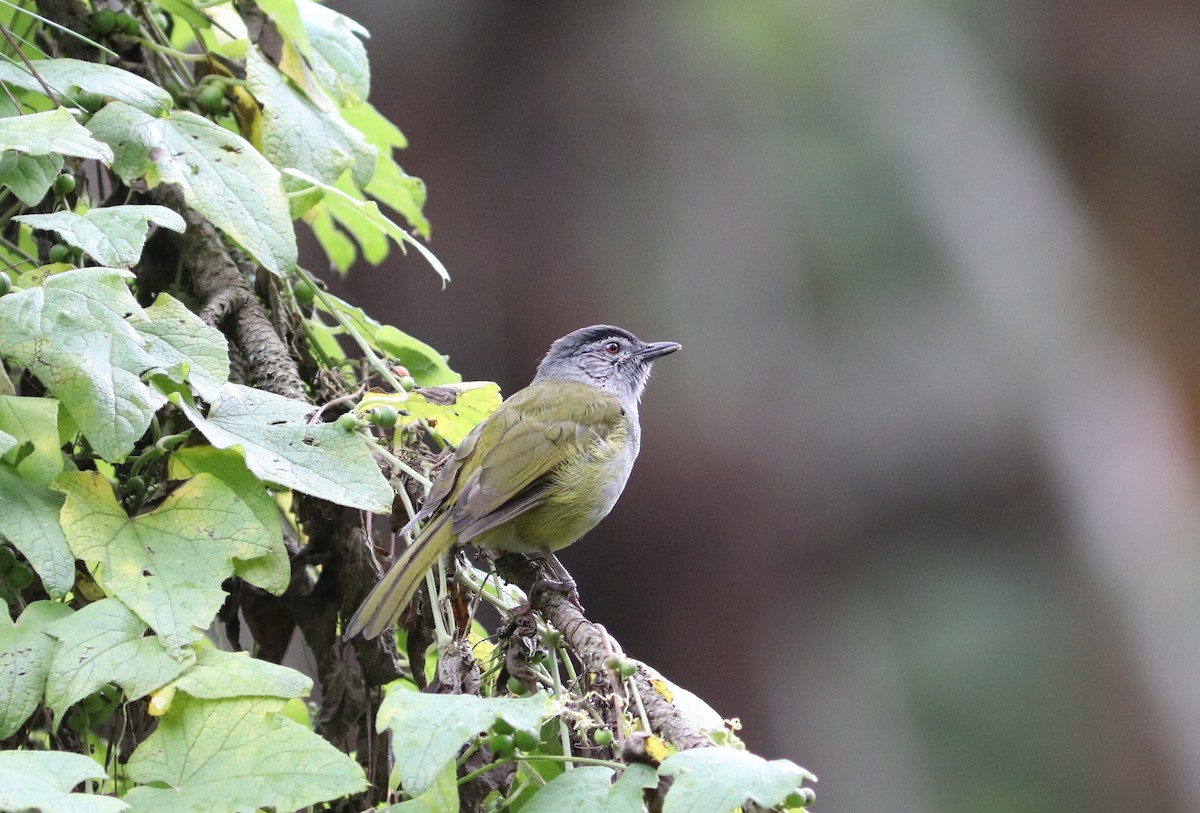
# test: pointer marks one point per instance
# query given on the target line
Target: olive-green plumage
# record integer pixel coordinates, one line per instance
(538, 473)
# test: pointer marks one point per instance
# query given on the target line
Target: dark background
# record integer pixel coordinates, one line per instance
(919, 501)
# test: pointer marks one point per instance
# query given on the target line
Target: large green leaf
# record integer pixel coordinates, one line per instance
(167, 565)
(44, 780)
(339, 58)
(54, 131)
(281, 446)
(85, 337)
(273, 571)
(29, 176)
(298, 132)
(236, 755)
(106, 643)
(62, 75)
(217, 674)
(429, 729)
(29, 520)
(717, 780)
(33, 423)
(589, 787)
(222, 176)
(112, 235)
(25, 652)
(365, 215)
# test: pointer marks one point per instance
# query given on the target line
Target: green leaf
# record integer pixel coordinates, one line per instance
(429, 729)
(272, 572)
(453, 410)
(223, 177)
(7, 442)
(402, 192)
(590, 787)
(218, 674)
(29, 176)
(33, 421)
(54, 131)
(25, 651)
(281, 446)
(339, 58)
(186, 11)
(424, 363)
(298, 132)
(30, 523)
(43, 780)
(112, 235)
(85, 337)
(365, 215)
(167, 565)
(717, 780)
(441, 797)
(236, 755)
(91, 77)
(106, 643)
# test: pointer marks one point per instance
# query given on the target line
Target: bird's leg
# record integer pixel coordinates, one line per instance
(562, 581)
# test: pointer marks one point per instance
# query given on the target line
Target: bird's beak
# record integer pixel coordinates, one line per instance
(655, 349)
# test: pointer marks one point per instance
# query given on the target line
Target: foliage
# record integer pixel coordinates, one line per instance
(188, 446)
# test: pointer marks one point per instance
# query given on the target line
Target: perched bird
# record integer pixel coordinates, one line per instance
(539, 472)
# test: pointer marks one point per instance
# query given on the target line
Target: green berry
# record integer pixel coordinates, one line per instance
(613, 662)
(348, 421)
(800, 797)
(212, 97)
(77, 721)
(20, 576)
(502, 745)
(64, 184)
(408, 382)
(384, 416)
(128, 24)
(527, 740)
(104, 21)
(516, 686)
(304, 293)
(602, 737)
(627, 669)
(502, 726)
(59, 252)
(7, 559)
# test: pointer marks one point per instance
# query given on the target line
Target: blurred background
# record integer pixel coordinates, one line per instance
(919, 501)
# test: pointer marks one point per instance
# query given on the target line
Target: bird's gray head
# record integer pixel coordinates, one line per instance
(604, 356)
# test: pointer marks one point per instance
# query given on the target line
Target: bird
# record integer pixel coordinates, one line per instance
(538, 473)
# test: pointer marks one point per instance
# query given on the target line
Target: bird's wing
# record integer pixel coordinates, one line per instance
(514, 473)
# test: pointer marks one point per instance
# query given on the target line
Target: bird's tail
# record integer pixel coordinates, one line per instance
(383, 605)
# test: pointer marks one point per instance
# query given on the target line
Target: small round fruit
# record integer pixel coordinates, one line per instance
(7, 558)
(104, 21)
(64, 184)
(408, 382)
(801, 797)
(5, 283)
(627, 669)
(602, 737)
(20, 576)
(613, 662)
(516, 686)
(212, 97)
(59, 252)
(502, 726)
(348, 421)
(384, 416)
(502, 745)
(77, 721)
(128, 24)
(304, 293)
(527, 740)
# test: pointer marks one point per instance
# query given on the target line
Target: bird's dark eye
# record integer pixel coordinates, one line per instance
(612, 348)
